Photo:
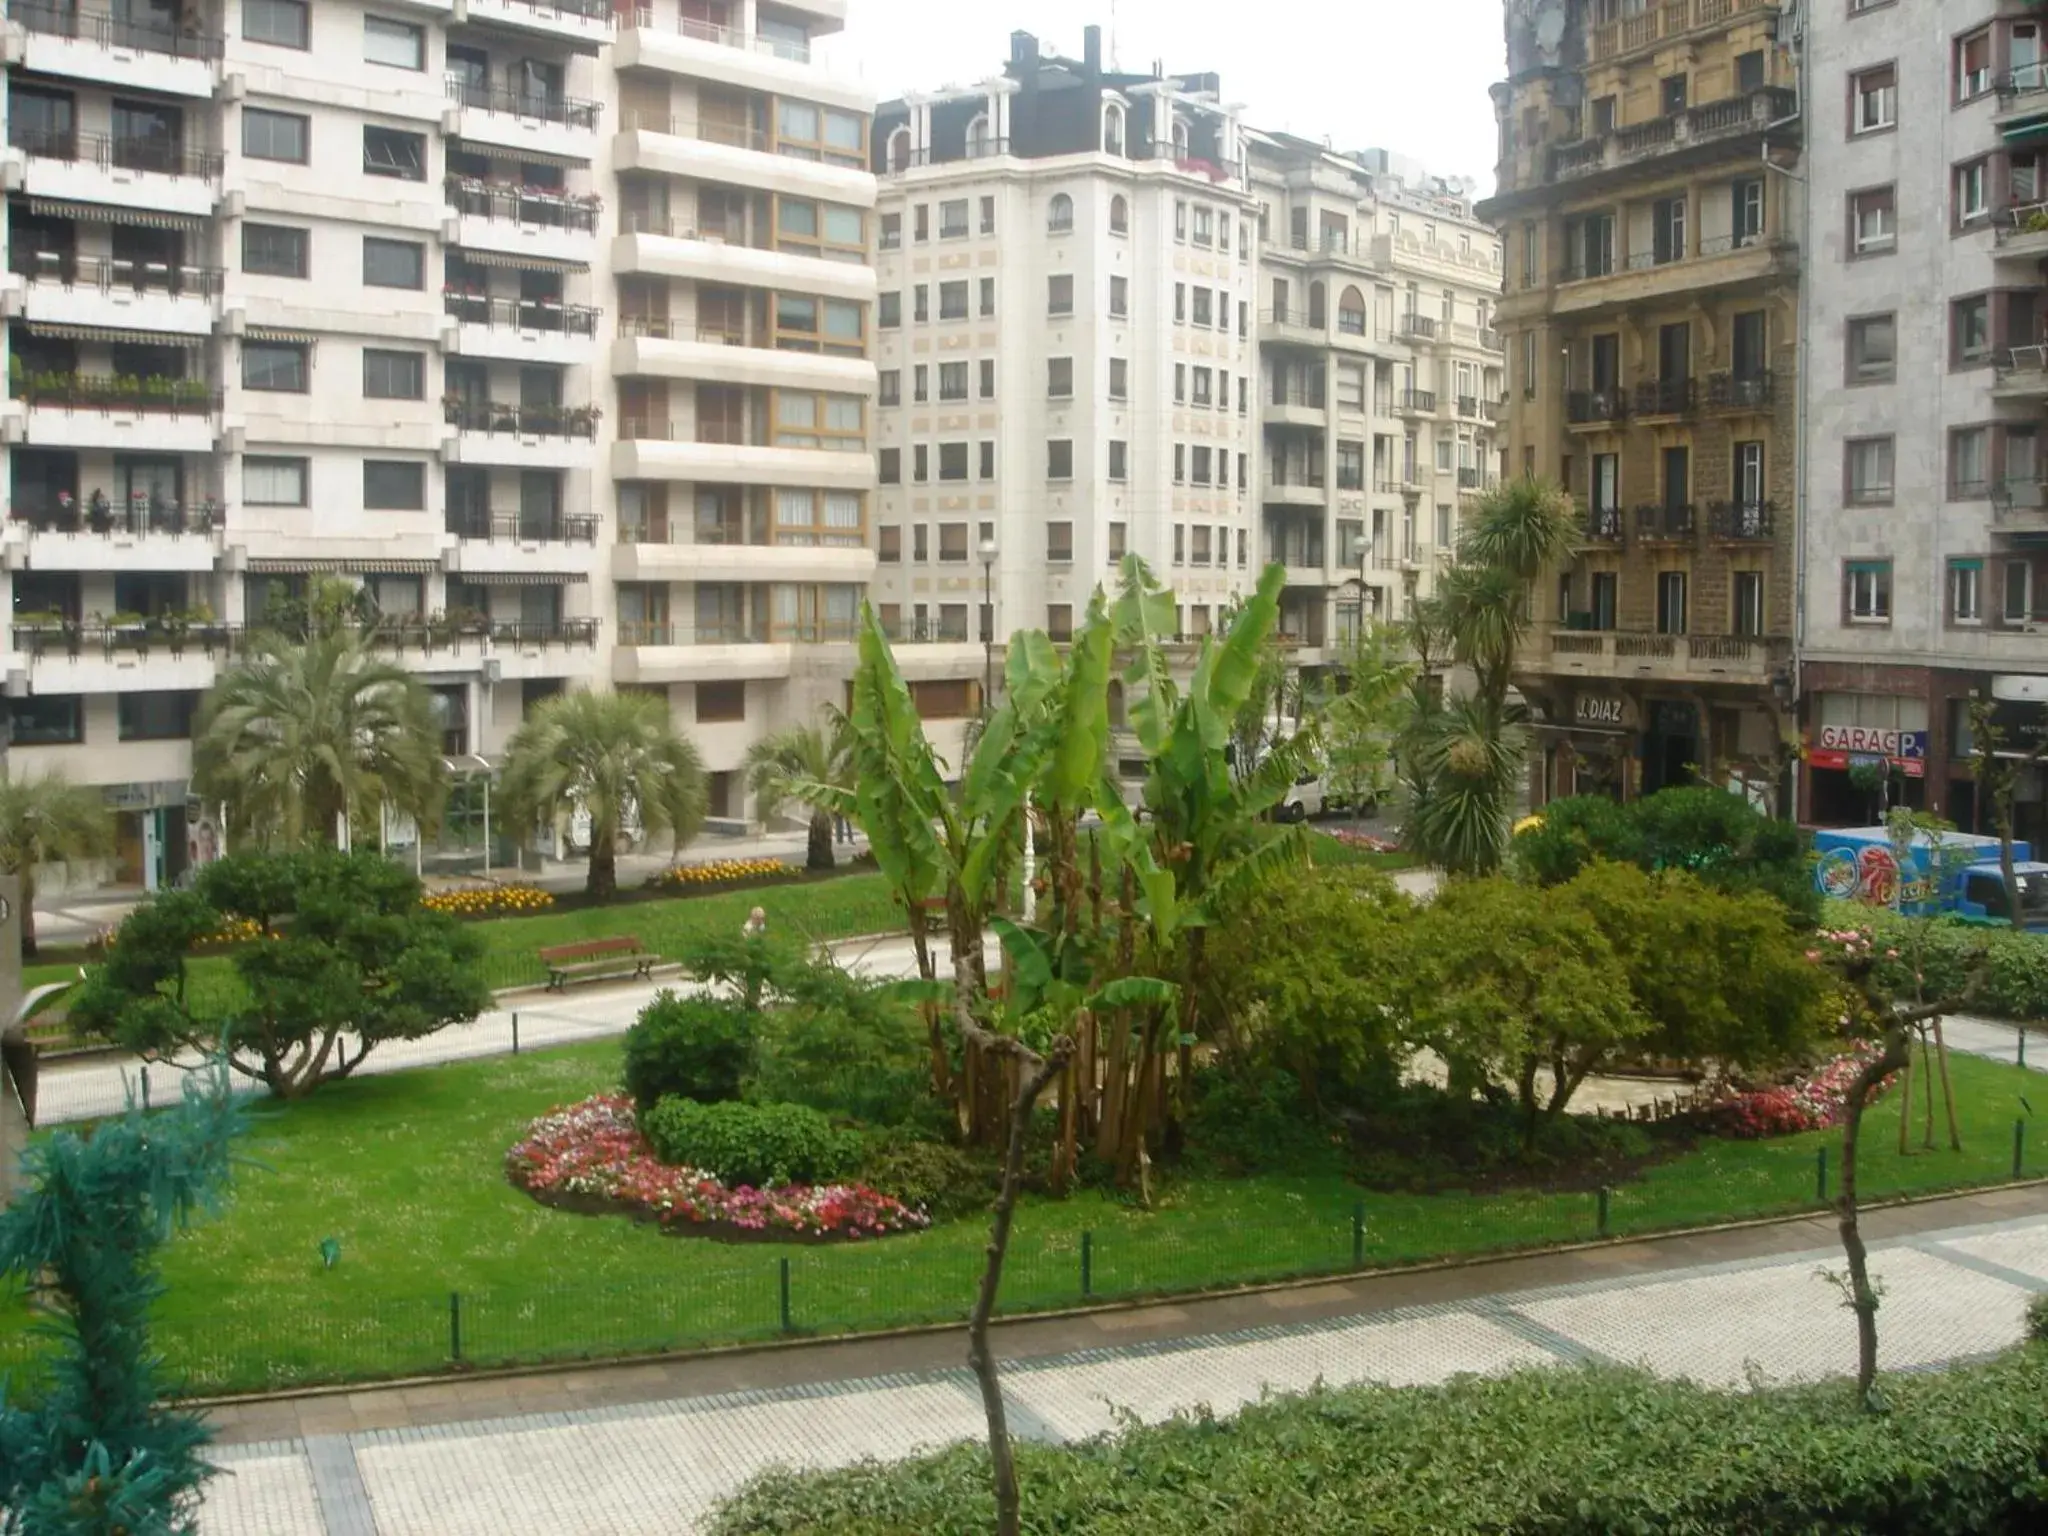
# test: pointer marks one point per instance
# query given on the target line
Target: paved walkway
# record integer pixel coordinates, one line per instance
(652, 1448)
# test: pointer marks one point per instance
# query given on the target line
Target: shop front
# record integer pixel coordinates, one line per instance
(1629, 741)
(153, 833)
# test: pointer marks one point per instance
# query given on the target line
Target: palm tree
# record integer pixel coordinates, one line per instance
(803, 754)
(616, 756)
(48, 820)
(306, 730)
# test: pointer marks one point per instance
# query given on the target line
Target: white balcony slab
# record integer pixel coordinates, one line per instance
(672, 154)
(92, 670)
(51, 426)
(46, 550)
(729, 464)
(515, 450)
(585, 26)
(117, 307)
(701, 663)
(740, 562)
(658, 357)
(715, 261)
(84, 181)
(110, 63)
(518, 344)
(667, 49)
(507, 129)
(519, 557)
(548, 242)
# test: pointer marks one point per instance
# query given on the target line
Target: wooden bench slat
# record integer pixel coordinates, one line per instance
(619, 955)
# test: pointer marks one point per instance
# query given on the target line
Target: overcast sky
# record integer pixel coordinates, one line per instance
(1404, 75)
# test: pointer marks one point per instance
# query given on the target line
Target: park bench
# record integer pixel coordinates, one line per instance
(596, 960)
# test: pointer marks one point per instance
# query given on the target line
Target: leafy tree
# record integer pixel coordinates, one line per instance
(347, 959)
(307, 729)
(1469, 756)
(99, 1452)
(616, 756)
(814, 754)
(46, 820)
(1362, 719)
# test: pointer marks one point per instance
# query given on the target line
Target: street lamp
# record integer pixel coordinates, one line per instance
(988, 623)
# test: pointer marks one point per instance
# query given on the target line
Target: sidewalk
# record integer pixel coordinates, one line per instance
(652, 1447)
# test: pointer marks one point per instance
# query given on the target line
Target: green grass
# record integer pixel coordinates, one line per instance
(405, 1172)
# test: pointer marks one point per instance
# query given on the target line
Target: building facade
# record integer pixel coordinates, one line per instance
(1925, 530)
(536, 321)
(1067, 262)
(1380, 377)
(1650, 197)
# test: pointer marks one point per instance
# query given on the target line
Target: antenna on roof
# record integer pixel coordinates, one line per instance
(1113, 65)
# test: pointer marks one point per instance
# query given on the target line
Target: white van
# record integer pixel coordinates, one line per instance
(1303, 800)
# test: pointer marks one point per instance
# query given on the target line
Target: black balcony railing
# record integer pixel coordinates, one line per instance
(534, 106)
(1422, 401)
(1418, 325)
(104, 31)
(172, 634)
(1739, 391)
(115, 274)
(522, 527)
(1673, 523)
(456, 629)
(600, 11)
(1604, 525)
(1664, 397)
(1744, 522)
(1296, 315)
(125, 393)
(523, 205)
(1311, 398)
(98, 513)
(1585, 406)
(128, 152)
(493, 416)
(520, 314)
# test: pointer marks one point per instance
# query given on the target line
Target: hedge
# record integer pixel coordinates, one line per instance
(1561, 1452)
(2015, 979)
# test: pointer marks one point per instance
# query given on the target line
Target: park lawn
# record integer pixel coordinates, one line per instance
(404, 1172)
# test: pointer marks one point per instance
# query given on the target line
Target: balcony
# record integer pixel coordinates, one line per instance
(75, 410)
(1604, 526)
(1596, 407)
(522, 330)
(2019, 509)
(528, 545)
(125, 170)
(742, 155)
(556, 227)
(2022, 233)
(1296, 407)
(1295, 486)
(723, 255)
(713, 557)
(527, 436)
(689, 653)
(1709, 132)
(485, 526)
(1491, 340)
(1673, 524)
(1718, 264)
(136, 54)
(1743, 522)
(671, 450)
(1750, 660)
(117, 294)
(664, 350)
(65, 533)
(555, 127)
(1418, 327)
(586, 25)
(2021, 374)
(174, 652)
(1292, 325)
(1656, 21)
(1740, 391)
(1474, 481)
(1663, 397)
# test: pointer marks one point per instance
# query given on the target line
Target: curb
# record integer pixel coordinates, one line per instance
(1131, 1304)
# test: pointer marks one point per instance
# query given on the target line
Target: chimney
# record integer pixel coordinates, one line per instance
(1023, 52)
(1092, 51)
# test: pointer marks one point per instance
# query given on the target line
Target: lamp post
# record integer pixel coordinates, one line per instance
(988, 623)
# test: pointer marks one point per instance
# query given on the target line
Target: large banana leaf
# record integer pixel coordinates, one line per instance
(1082, 722)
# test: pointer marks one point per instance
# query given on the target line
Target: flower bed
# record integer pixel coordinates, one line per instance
(1364, 840)
(719, 872)
(1813, 1103)
(489, 901)
(592, 1157)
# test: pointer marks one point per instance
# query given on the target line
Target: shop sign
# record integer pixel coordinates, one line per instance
(1600, 709)
(2021, 726)
(1846, 746)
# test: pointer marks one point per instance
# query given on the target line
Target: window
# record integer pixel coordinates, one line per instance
(1873, 349)
(921, 222)
(280, 23)
(1969, 463)
(952, 461)
(953, 219)
(1969, 330)
(274, 482)
(1667, 230)
(1199, 474)
(988, 215)
(920, 383)
(987, 467)
(1973, 64)
(1180, 302)
(1119, 297)
(1119, 215)
(394, 485)
(1118, 535)
(988, 378)
(1205, 226)
(1059, 214)
(1119, 459)
(1873, 221)
(920, 463)
(1746, 210)
(953, 300)
(394, 263)
(1746, 603)
(988, 297)
(1059, 378)
(889, 387)
(274, 250)
(1671, 95)
(281, 366)
(1059, 542)
(1973, 182)
(889, 311)
(720, 703)
(889, 543)
(1059, 294)
(921, 303)
(953, 543)
(1876, 99)
(1869, 596)
(46, 720)
(953, 381)
(396, 43)
(1205, 314)
(1180, 221)
(920, 544)
(1180, 463)
(275, 135)
(891, 235)
(1966, 591)
(1119, 378)
(1589, 246)
(156, 716)
(889, 466)
(1671, 602)
(394, 375)
(1869, 470)
(387, 152)
(2018, 606)
(1059, 459)
(1180, 383)
(1204, 387)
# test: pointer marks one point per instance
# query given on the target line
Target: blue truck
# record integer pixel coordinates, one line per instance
(1860, 864)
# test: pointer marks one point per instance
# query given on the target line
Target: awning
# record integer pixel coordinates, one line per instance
(114, 213)
(300, 565)
(520, 263)
(2033, 131)
(505, 154)
(524, 578)
(114, 336)
(278, 333)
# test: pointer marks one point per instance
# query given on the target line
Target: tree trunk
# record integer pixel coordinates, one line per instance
(603, 882)
(1896, 1056)
(1906, 1102)
(935, 1034)
(819, 854)
(28, 909)
(1525, 1086)
(1948, 1090)
(1926, 1090)
(1036, 1075)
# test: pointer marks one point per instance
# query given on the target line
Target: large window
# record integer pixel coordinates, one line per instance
(281, 366)
(804, 420)
(1876, 94)
(156, 716)
(809, 132)
(275, 135)
(394, 485)
(275, 250)
(1966, 591)
(1059, 294)
(46, 720)
(1869, 471)
(394, 375)
(1873, 349)
(274, 482)
(1873, 221)
(1059, 459)
(1868, 598)
(388, 152)
(394, 263)
(399, 44)
(280, 23)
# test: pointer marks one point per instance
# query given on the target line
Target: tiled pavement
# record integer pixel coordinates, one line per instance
(1955, 1287)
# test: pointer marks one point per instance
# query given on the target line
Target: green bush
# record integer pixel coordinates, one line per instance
(941, 1180)
(1257, 1123)
(2037, 1319)
(761, 1145)
(1557, 1452)
(849, 1053)
(688, 1047)
(2013, 964)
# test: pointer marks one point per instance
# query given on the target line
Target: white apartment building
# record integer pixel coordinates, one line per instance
(623, 444)
(1925, 532)
(1067, 365)
(1381, 377)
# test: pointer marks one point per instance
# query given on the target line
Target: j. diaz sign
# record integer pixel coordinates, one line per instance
(1600, 709)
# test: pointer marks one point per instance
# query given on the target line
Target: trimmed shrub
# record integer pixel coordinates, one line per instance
(688, 1047)
(942, 1181)
(2037, 1319)
(760, 1145)
(1558, 1452)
